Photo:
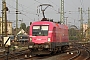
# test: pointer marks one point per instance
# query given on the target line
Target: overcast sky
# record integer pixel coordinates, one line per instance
(28, 8)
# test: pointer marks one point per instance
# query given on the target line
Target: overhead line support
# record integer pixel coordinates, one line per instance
(62, 12)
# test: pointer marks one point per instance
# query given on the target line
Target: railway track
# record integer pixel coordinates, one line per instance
(14, 55)
(23, 55)
(83, 53)
(45, 57)
(75, 52)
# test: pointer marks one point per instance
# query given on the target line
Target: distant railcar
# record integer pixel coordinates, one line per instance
(12, 38)
(22, 38)
(47, 37)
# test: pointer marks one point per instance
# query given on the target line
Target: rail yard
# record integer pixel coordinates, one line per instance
(56, 35)
(76, 51)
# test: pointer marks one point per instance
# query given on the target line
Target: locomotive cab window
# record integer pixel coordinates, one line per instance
(40, 30)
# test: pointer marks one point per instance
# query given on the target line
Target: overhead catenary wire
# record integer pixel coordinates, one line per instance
(21, 5)
(13, 12)
(38, 2)
(27, 11)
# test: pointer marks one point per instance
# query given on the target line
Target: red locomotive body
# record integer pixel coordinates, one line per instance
(46, 37)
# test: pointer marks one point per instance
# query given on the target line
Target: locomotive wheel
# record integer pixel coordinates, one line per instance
(63, 49)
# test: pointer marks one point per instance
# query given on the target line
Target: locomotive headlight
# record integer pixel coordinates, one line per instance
(46, 46)
(30, 39)
(49, 40)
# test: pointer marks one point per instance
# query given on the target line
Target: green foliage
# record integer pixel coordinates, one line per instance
(27, 29)
(23, 26)
(73, 38)
(73, 33)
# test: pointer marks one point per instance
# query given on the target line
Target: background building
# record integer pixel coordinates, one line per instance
(9, 27)
(85, 26)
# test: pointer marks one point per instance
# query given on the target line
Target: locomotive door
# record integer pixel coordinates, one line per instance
(54, 34)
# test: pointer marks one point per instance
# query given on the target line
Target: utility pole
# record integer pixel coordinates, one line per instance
(88, 31)
(66, 20)
(81, 22)
(62, 12)
(21, 23)
(4, 17)
(16, 16)
(38, 12)
(88, 18)
(4, 21)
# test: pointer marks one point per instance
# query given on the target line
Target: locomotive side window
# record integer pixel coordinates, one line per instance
(40, 30)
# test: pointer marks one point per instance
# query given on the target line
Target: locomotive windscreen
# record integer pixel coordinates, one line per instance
(40, 30)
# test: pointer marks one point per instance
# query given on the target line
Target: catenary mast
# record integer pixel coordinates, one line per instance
(88, 17)
(4, 20)
(4, 17)
(62, 12)
(16, 16)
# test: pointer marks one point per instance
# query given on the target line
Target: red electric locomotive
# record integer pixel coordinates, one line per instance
(47, 37)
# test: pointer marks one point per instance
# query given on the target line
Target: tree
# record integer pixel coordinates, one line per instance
(27, 29)
(23, 26)
(73, 34)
